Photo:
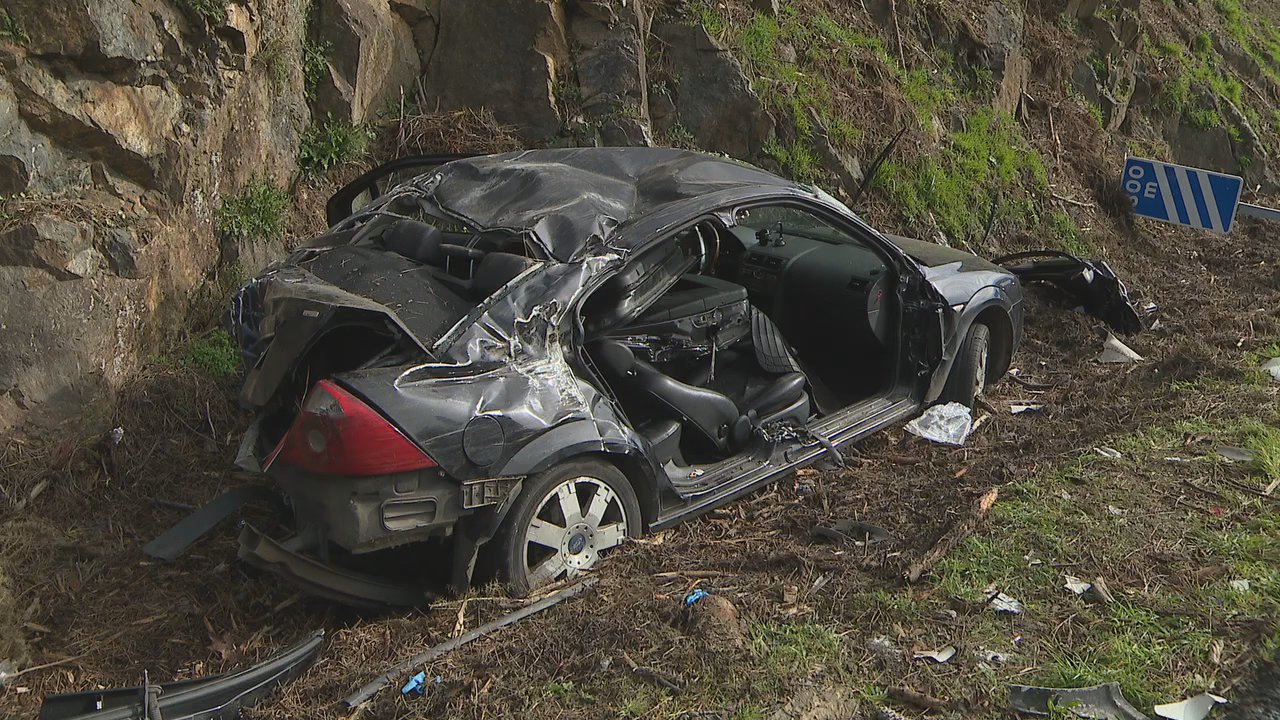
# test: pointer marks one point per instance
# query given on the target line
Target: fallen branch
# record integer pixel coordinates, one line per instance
(954, 536)
(920, 700)
(658, 677)
(1069, 201)
(363, 694)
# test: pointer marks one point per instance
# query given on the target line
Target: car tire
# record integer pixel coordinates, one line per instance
(968, 378)
(561, 522)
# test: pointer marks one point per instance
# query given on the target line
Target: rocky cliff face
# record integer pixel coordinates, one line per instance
(126, 124)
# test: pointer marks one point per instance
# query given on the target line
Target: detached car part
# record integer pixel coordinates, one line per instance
(213, 698)
(1092, 282)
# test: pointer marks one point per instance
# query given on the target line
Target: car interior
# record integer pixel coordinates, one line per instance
(778, 318)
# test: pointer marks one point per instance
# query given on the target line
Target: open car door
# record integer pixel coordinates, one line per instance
(363, 190)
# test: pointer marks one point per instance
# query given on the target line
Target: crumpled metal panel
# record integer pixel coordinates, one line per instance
(569, 197)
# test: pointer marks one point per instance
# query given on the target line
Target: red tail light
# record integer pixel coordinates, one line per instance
(337, 434)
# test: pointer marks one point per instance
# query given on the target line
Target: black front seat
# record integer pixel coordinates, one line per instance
(714, 414)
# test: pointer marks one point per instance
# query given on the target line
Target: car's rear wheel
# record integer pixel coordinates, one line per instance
(968, 377)
(562, 521)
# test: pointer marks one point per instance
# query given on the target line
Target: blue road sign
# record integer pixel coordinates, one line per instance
(1182, 195)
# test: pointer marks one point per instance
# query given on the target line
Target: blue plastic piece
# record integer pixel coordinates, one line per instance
(695, 596)
(415, 684)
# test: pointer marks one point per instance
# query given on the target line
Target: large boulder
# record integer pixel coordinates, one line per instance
(714, 99)
(60, 247)
(502, 55)
(371, 55)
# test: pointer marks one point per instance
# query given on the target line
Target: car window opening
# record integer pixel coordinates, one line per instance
(777, 318)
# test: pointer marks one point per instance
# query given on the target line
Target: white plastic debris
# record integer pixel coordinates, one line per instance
(1118, 512)
(1077, 586)
(941, 655)
(884, 647)
(7, 670)
(1235, 454)
(1273, 366)
(1196, 708)
(1107, 452)
(1240, 585)
(1019, 409)
(991, 656)
(116, 435)
(950, 424)
(1005, 604)
(1116, 352)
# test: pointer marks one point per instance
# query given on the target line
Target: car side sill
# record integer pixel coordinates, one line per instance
(847, 426)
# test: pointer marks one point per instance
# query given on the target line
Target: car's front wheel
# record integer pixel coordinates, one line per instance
(562, 521)
(968, 377)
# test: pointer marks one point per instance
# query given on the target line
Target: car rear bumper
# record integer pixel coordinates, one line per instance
(362, 514)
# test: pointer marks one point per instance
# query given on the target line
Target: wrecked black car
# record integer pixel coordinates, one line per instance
(535, 355)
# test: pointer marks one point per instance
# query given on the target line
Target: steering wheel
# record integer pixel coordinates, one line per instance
(709, 242)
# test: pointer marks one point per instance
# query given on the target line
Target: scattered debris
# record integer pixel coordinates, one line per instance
(657, 677)
(219, 696)
(7, 670)
(958, 532)
(1116, 352)
(371, 689)
(1195, 708)
(1240, 585)
(1077, 586)
(695, 596)
(991, 656)
(1020, 409)
(949, 424)
(1104, 702)
(854, 531)
(116, 436)
(1005, 604)
(1273, 366)
(884, 647)
(177, 539)
(1235, 454)
(887, 713)
(1118, 512)
(1092, 282)
(941, 655)
(919, 699)
(417, 684)
(1102, 591)
(1107, 452)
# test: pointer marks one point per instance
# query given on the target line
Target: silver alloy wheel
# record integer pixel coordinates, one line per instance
(574, 522)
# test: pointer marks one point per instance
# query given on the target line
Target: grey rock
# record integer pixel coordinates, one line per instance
(766, 7)
(113, 34)
(615, 88)
(714, 98)
(14, 175)
(121, 253)
(60, 247)
(372, 58)
(839, 163)
(512, 51)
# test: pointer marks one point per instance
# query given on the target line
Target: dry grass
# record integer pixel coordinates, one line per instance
(463, 131)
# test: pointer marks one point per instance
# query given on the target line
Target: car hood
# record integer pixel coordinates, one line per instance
(932, 255)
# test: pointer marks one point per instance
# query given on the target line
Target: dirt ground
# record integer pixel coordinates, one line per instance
(824, 625)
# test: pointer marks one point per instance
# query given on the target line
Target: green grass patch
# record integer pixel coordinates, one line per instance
(986, 160)
(213, 11)
(214, 354)
(315, 66)
(326, 145)
(11, 29)
(787, 651)
(256, 212)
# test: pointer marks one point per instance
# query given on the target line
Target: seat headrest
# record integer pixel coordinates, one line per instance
(414, 240)
(614, 357)
(498, 269)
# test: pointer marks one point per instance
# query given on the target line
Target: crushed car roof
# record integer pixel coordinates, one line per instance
(568, 197)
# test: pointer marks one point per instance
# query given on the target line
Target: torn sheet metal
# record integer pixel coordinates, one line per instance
(1005, 604)
(325, 580)
(1195, 708)
(178, 538)
(1115, 352)
(1101, 702)
(1236, 454)
(1076, 585)
(949, 424)
(213, 698)
(940, 655)
(1092, 282)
